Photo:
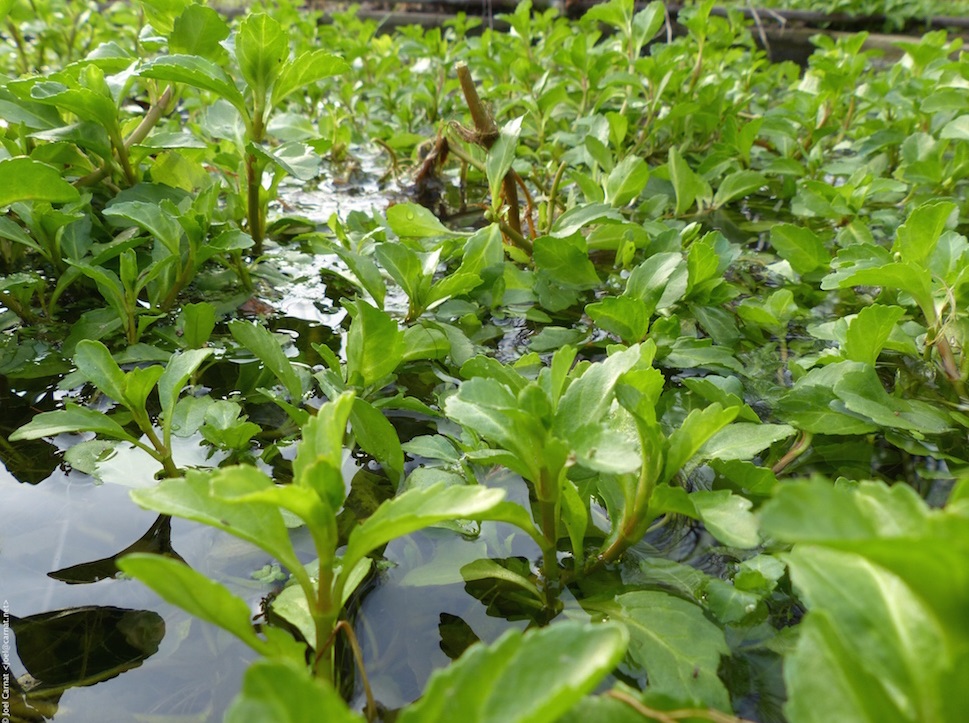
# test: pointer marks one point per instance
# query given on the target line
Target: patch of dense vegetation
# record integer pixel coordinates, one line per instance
(671, 290)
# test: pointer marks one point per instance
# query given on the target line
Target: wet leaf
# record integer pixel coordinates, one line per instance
(534, 677)
(674, 642)
(285, 692)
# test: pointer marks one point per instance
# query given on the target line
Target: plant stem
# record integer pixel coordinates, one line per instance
(799, 447)
(253, 182)
(487, 135)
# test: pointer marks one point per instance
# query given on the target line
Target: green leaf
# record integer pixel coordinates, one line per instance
(310, 67)
(727, 517)
(799, 246)
(172, 382)
(283, 691)
(319, 454)
(22, 179)
(869, 648)
(862, 393)
(588, 398)
(624, 316)
(70, 419)
(197, 72)
(917, 237)
(487, 569)
(411, 220)
(138, 384)
(416, 509)
(737, 185)
(911, 278)
(405, 267)
(377, 437)
(198, 31)
(869, 331)
(674, 642)
(192, 498)
(501, 155)
(86, 104)
(687, 185)
(95, 362)
(153, 218)
(577, 217)
(626, 181)
(192, 591)
(261, 342)
(565, 261)
(535, 677)
(374, 345)
(196, 323)
(699, 426)
(744, 440)
(261, 47)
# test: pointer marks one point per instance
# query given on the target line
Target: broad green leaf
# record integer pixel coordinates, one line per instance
(699, 426)
(377, 436)
(261, 48)
(911, 278)
(416, 509)
(192, 591)
(192, 498)
(412, 220)
(261, 342)
(535, 677)
(869, 331)
(152, 218)
(177, 372)
(674, 642)
(565, 261)
(70, 419)
(917, 237)
(626, 181)
(197, 72)
(283, 691)
(957, 128)
(501, 156)
(310, 67)
(799, 246)
(138, 384)
(870, 649)
(162, 13)
(744, 440)
(737, 185)
(86, 104)
(862, 393)
(22, 179)
(809, 406)
(319, 454)
(890, 526)
(95, 362)
(625, 316)
(487, 569)
(727, 517)
(196, 322)
(687, 185)
(405, 267)
(374, 345)
(577, 217)
(199, 30)
(588, 398)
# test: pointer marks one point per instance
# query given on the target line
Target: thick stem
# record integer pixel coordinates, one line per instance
(254, 210)
(487, 135)
(799, 447)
